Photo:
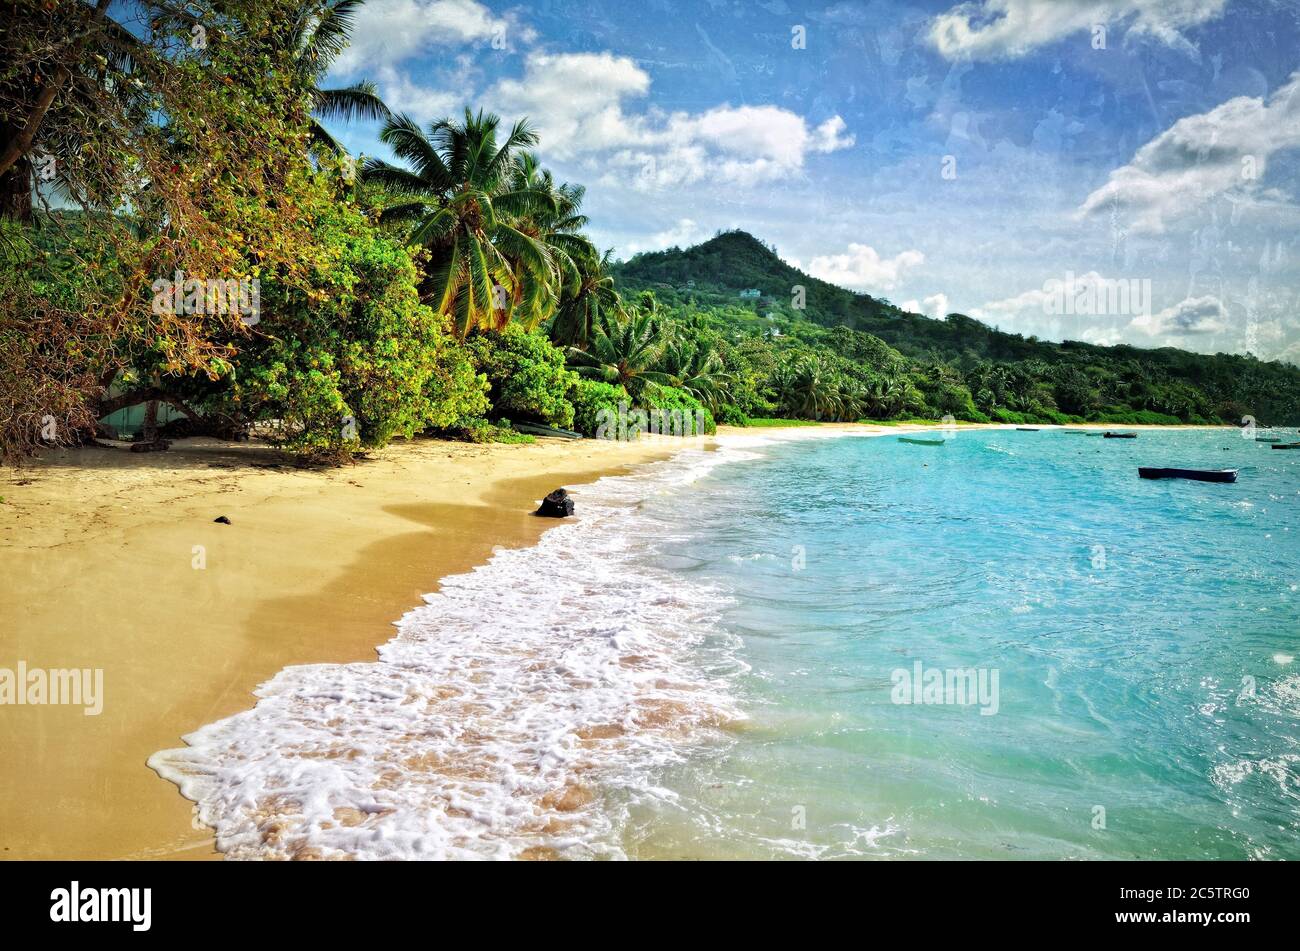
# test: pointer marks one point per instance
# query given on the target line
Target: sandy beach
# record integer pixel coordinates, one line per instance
(113, 561)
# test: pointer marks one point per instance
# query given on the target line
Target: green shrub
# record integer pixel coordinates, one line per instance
(731, 415)
(669, 399)
(481, 431)
(588, 398)
(356, 362)
(526, 375)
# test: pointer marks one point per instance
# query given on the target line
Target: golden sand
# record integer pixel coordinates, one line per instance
(98, 555)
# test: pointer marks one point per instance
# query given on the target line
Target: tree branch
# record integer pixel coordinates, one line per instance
(22, 142)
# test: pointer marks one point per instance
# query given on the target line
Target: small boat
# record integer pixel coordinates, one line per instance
(1026, 429)
(921, 442)
(1197, 475)
(1268, 439)
(1110, 435)
(1285, 445)
(537, 429)
(1079, 432)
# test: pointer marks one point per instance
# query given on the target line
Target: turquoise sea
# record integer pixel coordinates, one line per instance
(733, 653)
(1143, 636)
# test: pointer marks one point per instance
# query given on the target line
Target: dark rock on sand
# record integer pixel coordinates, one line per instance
(222, 519)
(556, 505)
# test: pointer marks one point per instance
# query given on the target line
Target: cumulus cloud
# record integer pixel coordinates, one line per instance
(684, 233)
(1194, 315)
(1006, 29)
(863, 269)
(577, 102)
(389, 31)
(1093, 317)
(936, 305)
(1221, 152)
(422, 103)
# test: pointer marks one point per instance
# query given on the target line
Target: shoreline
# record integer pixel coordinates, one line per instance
(99, 547)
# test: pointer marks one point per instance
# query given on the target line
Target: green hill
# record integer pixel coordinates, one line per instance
(709, 278)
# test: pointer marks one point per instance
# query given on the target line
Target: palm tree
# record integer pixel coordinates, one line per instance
(883, 397)
(557, 224)
(582, 304)
(625, 351)
(465, 203)
(696, 367)
(321, 31)
(804, 389)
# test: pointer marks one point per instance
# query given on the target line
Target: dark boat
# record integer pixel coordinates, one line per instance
(1285, 445)
(1268, 439)
(1198, 475)
(1120, 435)
(537, 429)
(1026, 429)
(921, 442)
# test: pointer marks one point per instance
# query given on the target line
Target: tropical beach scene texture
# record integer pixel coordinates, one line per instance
(461, 429)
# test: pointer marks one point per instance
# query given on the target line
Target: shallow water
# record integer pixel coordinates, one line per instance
(706, 665)
(1142, 634)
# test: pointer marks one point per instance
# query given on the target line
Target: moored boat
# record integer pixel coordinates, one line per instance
(1110, 435)
(912, 440)
(1286, 445)
(1268, 439)
(1197, 475)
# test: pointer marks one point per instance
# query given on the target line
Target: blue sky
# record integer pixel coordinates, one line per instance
(950, 157)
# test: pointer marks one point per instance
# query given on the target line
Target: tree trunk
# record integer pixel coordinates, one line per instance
(16, 192)
(150, 433)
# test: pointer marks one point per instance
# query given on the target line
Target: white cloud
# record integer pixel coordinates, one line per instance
(575, 100)
(389, 31)
(422, 103)
(683, 234)
(1194, 315)
(830, 137)
(577, 103)
(1005, 29)
(1093, 317)
(936, 305)
(862, 268)
(1221, 152)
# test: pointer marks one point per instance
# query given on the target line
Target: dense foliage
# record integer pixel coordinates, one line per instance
(214, 249)
(808, 349)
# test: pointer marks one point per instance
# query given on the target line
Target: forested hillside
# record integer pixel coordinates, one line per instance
(938, 365)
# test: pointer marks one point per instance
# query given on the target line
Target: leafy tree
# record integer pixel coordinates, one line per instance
(526, 373)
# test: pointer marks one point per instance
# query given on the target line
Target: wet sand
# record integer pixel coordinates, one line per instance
(100, 567)
(101, 570)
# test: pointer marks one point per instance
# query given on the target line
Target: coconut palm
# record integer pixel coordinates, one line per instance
(582, 304)
(807, 390)
(696, 367)
(626, 351)
(466, 204)
(557, 224)
(321, 31)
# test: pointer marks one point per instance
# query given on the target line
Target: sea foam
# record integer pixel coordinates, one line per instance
(511, 715)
